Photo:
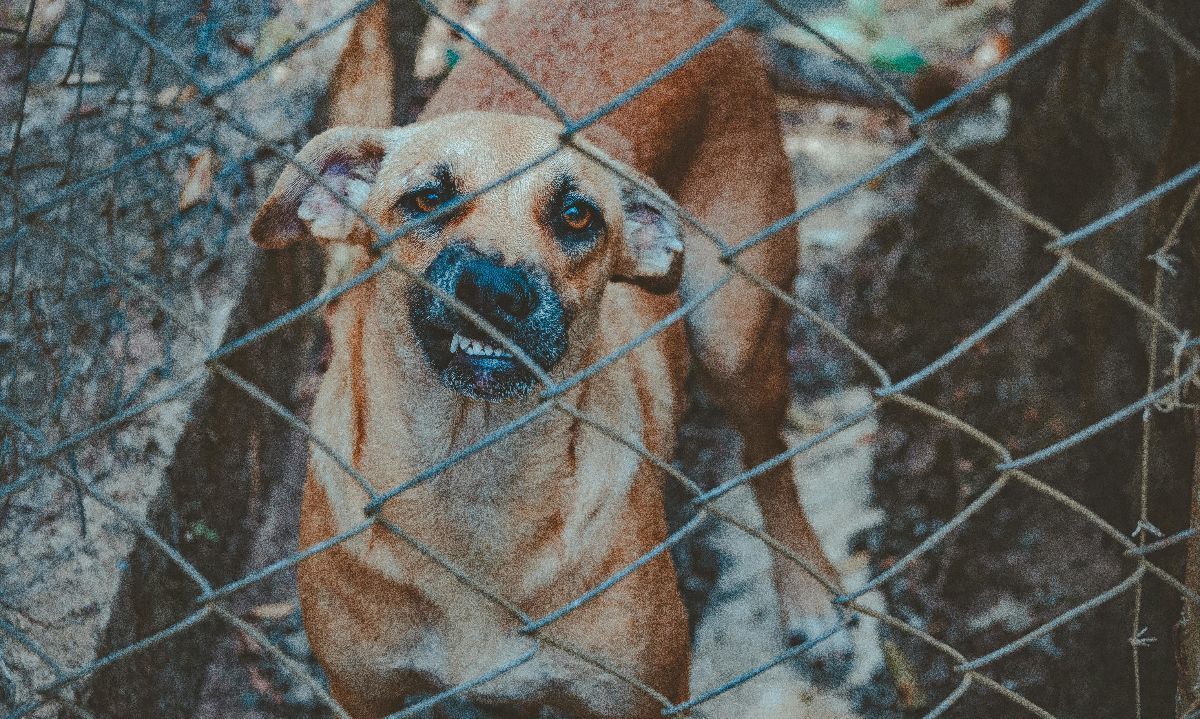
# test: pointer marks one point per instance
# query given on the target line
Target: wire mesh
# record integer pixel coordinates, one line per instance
(37, 456)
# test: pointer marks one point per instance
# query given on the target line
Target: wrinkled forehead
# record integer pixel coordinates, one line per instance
(478, 149)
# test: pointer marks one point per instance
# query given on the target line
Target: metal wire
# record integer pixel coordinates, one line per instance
(46, 458)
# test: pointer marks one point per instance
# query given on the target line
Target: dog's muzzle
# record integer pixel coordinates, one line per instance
(518, 300)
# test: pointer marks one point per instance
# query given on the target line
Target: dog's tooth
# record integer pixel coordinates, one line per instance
(454, 343)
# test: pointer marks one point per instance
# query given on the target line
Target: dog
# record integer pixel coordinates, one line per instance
(569, 261)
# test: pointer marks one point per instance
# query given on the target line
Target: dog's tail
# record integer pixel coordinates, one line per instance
(362, 89)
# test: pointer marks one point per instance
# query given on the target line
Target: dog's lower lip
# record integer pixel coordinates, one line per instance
(486, 363)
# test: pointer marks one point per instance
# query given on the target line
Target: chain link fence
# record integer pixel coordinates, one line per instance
(46, 435)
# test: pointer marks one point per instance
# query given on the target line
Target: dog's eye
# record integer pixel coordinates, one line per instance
(575, 221)
(425, 200)
(428, 200)
(578, 216)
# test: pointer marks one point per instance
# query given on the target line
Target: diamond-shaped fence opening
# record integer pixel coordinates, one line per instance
(120, 244)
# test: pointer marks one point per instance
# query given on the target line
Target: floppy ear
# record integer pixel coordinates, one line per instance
(347, 160)
(652, 256)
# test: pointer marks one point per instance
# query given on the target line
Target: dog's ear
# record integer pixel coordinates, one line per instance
(347, 160)
(652, 257)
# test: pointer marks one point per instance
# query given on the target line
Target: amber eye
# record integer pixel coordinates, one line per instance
(578, 216)
(428, 200)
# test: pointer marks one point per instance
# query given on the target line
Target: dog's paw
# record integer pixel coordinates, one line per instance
(830, 659)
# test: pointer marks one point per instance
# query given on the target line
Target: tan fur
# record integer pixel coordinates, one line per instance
(709, 135)
(547, 513)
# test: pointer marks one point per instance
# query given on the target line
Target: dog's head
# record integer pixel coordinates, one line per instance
(531, 256)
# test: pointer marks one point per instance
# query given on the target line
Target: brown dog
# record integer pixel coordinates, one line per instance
(551, 260)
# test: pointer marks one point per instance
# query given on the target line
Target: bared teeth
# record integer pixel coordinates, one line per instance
(475, 348)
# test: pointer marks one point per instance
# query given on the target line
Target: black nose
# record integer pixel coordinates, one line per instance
(502, 295)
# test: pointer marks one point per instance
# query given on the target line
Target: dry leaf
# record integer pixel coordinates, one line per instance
(85, 110)
(242, 43)
(261, 685)
(273, 611)
(166, 96)
(994, 49)
(174, 96)
(198, 186)
(908, 688)
(275, 33)
(189, 93)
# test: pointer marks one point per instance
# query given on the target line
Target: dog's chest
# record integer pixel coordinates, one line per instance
(437, 633)
(539, 517)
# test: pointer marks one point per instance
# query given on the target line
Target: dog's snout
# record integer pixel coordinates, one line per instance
(502, 295)
(517, 299)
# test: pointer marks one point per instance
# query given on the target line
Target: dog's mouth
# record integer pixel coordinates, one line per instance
(482, 370)
(465, 358)
(479, 367)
